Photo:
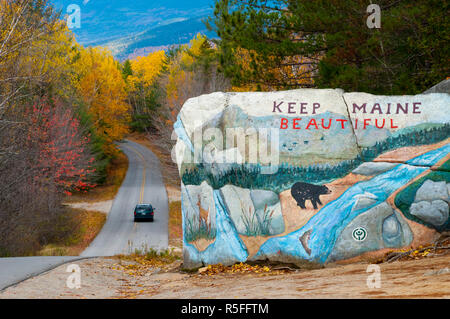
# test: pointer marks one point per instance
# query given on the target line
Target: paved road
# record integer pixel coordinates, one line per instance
(120, 235)
(16, 269)
(143, 183)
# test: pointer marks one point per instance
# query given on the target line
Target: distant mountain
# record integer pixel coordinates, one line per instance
(137, 27)
(158, 38)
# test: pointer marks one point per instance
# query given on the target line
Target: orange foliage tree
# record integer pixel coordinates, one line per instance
(62, 161)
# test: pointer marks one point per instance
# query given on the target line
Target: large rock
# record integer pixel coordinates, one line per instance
(236, 152)
(385, 229)
(364, 201)
(268, 210)
(435, 212)
(441, 87)
(254, 213)
(240, 208)
(430, 191)
(373, 168)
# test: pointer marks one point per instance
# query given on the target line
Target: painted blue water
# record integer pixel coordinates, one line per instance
(181, 133)
(329, 222)
(227, 247)
(431, 158)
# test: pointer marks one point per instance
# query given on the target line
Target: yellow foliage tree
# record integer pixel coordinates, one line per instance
(54, 56)
(34, 49)
(177, 77)
(146, 69)
(181, 82)
(141, 83)
(103, 89)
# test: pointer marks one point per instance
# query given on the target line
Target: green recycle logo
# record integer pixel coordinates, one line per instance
(359, 234)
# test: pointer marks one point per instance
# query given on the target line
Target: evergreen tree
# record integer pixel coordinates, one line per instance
(332, 45)
(126, 69)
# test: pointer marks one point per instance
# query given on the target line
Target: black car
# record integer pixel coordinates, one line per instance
(143, 212)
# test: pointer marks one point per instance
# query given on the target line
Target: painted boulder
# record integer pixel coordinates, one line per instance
(311, 175)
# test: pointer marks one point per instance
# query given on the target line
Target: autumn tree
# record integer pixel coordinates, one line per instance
(254, 53)
(103, 90)
(46, 137)
(51, 158)
(23, 25)
(192, 70)
(63, 161)
(141, 75)
(159, 84)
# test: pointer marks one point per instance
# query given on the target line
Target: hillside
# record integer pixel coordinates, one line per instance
(138, 27)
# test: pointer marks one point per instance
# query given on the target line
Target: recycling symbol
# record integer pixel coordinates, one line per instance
(359, 234)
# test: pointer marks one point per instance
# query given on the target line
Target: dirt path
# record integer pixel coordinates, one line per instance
(101, 206)
(105, 278)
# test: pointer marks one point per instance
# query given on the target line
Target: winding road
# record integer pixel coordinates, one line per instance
(120, 234)
(143, 184)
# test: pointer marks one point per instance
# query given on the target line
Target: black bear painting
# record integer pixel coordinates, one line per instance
(304, 191)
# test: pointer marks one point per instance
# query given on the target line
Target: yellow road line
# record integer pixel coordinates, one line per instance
(141, 196)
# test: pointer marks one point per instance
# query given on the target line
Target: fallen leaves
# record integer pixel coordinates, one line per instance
(242, 268)
(139, 264)
(440, 247)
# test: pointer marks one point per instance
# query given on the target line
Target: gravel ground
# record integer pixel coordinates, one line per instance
(112, 278)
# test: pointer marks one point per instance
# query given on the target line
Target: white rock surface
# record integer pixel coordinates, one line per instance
(430, 191)
(261, 103)
(238, 203)
(364, 200)
(373, 168)
(192, 195)
(433, 108)
(435, 212)
(198, 110)
(249, 212)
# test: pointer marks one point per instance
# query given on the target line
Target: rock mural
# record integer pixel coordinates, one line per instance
(311, 175)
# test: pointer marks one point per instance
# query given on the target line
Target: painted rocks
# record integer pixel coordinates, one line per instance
(335, 183)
